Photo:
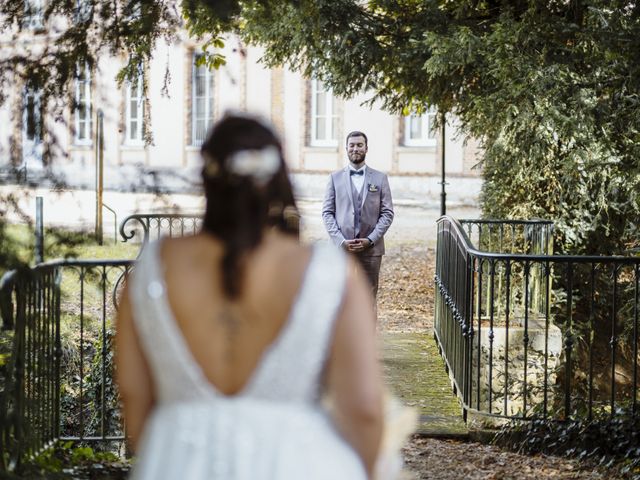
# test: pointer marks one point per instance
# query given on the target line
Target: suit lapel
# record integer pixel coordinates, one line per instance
(365, 186)
(348, 186)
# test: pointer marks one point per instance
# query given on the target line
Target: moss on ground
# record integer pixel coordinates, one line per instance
(415, 372)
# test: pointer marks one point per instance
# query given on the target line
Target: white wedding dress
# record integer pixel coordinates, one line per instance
(275, 428)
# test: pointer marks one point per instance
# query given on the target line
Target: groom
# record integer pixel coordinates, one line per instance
(358, 210)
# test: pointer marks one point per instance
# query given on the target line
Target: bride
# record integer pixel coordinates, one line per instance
(227, 340)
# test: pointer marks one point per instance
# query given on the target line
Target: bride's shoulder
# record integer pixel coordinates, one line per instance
(191, 244)
(292, 251)
(323, 251)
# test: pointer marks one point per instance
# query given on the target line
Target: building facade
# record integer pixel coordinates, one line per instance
(184, 98)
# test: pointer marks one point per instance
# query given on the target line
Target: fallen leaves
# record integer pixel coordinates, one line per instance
(427, 458)
(405, 296)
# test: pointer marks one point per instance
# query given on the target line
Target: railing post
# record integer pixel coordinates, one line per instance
(18, 394)
(443, 194)
(99, 174)
(568, 344)
(58, 353)
(468, 335)
(39, 232)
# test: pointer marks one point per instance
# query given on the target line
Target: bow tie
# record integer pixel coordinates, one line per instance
(356, 172)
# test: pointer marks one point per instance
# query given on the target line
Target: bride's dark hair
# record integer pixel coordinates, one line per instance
(244, 197)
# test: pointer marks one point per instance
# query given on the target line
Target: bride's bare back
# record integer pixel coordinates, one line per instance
(227, 338)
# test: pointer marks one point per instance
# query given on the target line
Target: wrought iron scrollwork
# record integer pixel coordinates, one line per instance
(126, 236)
(6, 299)
(156, 225)
(119, 286)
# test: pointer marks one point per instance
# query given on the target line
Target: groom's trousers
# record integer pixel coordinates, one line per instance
(371, 266)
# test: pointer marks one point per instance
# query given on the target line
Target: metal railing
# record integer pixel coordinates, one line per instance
(533, 335)
(58, 382)
(12, 173)
(147, 226)
(510, 236)
(29, 405)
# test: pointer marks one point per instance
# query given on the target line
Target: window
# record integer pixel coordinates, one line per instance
(132, 12)
(83, 12)
(201, 101)
(324, 118)
(134, 114)
(32, 115)
(419, 130)
(32, 125)
(82, 107)
(33, 14)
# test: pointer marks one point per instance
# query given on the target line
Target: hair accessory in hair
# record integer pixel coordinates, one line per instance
(261, 165)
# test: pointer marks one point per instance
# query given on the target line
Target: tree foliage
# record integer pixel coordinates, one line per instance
(550, 87)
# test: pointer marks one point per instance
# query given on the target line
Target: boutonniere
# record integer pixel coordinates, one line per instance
(373, 188)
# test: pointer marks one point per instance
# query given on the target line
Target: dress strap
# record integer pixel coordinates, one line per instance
(172, 365)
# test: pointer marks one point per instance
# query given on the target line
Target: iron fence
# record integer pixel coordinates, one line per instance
(510, 236)
(58, 382)
(147, 226)
(534, 335)
(13, 174)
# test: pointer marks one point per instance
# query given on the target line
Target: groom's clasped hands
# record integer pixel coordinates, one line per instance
(357, 245)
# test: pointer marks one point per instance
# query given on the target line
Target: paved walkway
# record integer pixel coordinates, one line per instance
(415, 372)
(416, 201)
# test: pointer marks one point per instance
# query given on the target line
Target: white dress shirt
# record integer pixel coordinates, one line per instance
(358, 180)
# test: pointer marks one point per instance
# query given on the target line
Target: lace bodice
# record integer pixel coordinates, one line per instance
(289, 370)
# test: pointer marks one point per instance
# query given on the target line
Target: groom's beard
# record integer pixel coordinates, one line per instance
(357, 158)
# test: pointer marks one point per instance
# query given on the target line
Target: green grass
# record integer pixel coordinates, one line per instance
(18, 246)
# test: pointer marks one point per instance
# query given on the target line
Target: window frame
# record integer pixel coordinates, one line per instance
(83, 81)
(209, 97)
(425, 140)
(34, 145)
(138, 141)
(330, 116)
(83, 11)
(33, 14)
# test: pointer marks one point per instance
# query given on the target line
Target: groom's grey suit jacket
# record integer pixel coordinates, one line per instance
(376, 212)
